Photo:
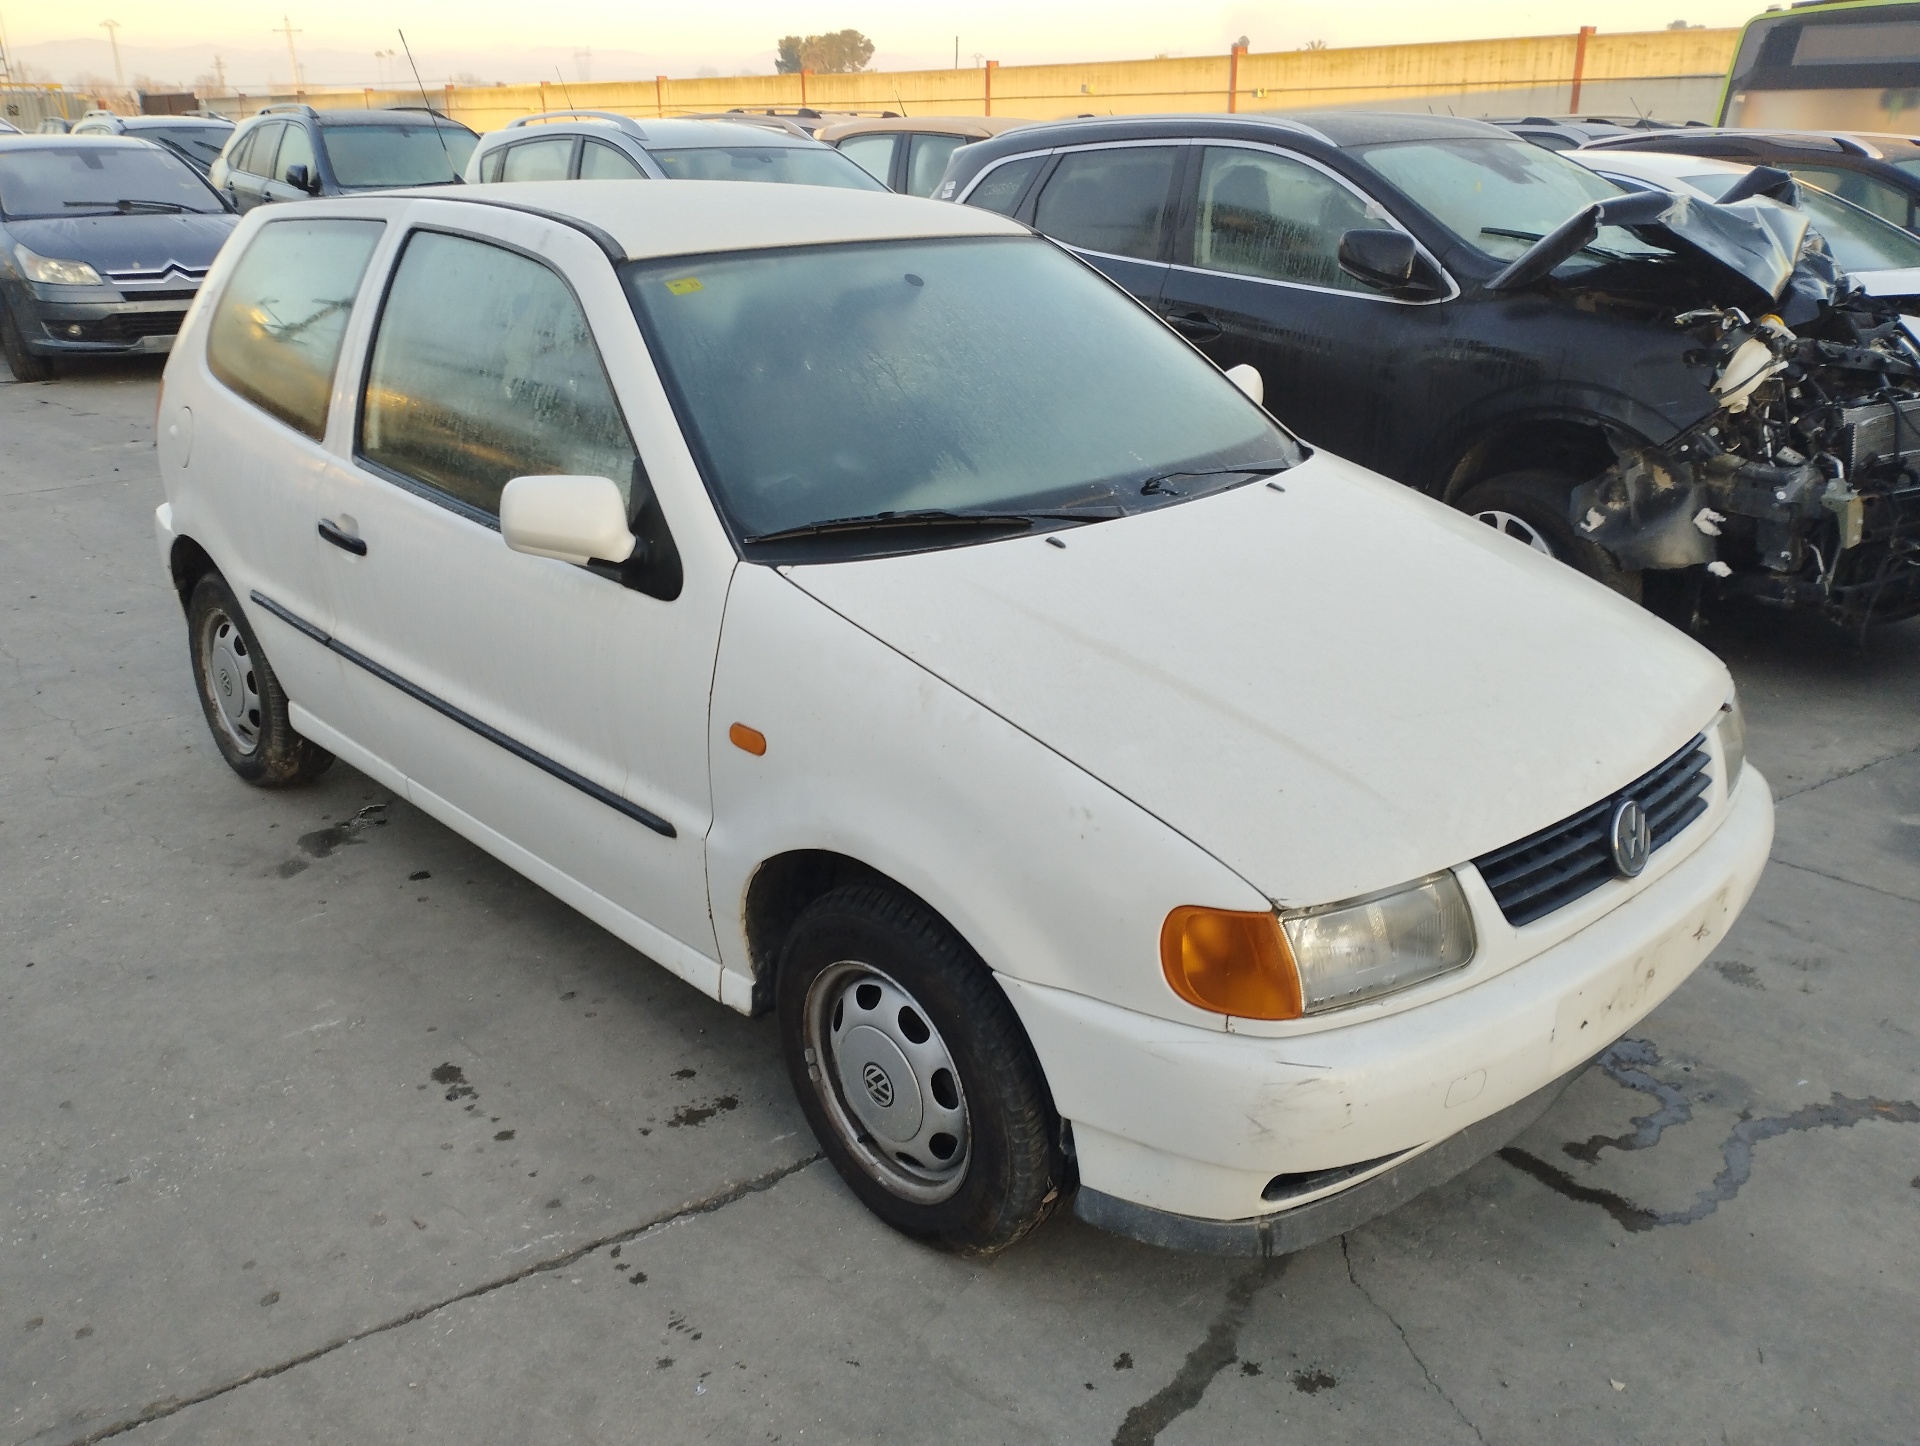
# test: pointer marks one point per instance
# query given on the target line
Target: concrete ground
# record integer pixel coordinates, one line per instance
(320, 1125)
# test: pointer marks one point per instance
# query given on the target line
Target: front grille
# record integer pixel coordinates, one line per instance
(122, 330)
(172, 293)
(1550, 869)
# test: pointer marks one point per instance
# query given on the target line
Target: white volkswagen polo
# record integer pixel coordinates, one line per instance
(871, 615)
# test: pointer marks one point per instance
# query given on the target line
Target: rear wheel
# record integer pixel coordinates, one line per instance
(25, 366)
(1531, 508)
(913, 1070)
(245, 706)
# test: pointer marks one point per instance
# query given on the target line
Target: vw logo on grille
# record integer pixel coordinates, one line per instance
(1631, 838)
(879, 1087)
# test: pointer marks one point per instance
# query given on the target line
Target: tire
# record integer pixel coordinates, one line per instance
(245, 705)
(915, 1074)
(25, 366)
(1531, 508)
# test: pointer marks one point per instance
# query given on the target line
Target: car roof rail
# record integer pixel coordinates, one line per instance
(624, 122)
(288, 107)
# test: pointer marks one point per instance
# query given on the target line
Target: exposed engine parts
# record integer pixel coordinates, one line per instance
(1803, 487)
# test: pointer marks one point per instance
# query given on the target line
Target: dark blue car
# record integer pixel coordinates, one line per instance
(103, 244)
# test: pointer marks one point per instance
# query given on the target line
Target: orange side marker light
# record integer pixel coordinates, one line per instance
(749, 740)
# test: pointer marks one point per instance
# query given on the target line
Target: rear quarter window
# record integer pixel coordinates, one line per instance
(276, 333)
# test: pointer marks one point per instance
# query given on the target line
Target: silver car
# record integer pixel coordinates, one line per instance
(590, 145)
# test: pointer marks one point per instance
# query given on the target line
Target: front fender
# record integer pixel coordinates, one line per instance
(1050, 875)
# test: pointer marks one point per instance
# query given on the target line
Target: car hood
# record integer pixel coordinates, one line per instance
(126, 243)
(1333, 689)
(1757, 252)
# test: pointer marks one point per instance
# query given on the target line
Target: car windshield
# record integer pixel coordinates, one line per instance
(398, 154)
(799, 165)
(988, 375)
(1858, 239)
(200, 144)
(1499, 196)
(95, 177)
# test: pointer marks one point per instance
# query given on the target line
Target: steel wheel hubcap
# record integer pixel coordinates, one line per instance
(1518, 528)
(232, 682)
(888, 1082)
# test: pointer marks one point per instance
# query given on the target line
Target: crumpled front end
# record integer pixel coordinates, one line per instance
(1803, 487)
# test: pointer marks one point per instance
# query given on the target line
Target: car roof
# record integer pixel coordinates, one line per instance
(939, 125)
(700, 217)
(132, 122)
(668, 134)
(53, 141)
(1866, 145)
(388, 117)
(1665, 163)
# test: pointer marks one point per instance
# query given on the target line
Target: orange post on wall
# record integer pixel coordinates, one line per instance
(1233, 78)
(804, 73)
(1579, 67)
(992, 66)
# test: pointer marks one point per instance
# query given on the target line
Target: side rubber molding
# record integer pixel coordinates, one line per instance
(1285, 1231)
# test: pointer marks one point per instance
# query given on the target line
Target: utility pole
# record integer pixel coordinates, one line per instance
(220, 75)
(112, 27)
(293, 61)
(956, 52)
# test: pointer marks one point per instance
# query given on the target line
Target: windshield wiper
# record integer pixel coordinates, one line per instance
(880, 521)
(125, 207)
(1532, 236)
(1156, 484)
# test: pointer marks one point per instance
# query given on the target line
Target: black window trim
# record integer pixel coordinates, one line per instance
(580, 156)
(1188, 218)
(426, 490)
(1026, 191)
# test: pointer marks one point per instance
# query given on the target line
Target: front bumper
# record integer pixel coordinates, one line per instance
(1228, 1129)
(128, 326)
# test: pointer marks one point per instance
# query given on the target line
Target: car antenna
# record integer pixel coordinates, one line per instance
(431, 115)
(901, 103)
(563, 86)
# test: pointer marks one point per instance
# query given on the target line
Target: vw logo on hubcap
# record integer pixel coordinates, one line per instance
(879, 1087)
(1631, 838)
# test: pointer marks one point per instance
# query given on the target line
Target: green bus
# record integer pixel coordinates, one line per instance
(1848, 65)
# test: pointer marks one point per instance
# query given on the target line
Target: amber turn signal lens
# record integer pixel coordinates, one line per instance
(749, 740)
(1230, 962)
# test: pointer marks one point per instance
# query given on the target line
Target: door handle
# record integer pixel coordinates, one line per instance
(1195, 324)
(345, 541)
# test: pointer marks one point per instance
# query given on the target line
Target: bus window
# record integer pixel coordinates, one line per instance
(1853, 68)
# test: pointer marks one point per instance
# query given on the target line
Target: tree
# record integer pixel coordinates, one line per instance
(839, 53)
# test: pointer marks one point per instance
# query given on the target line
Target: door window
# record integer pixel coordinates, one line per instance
(296, 149)
(1264, 215)
(872, 154)
(256, 157)
(490, 163)
(1876, 196)
(539, 160)
(275, 336)
(601, 162)
(1112, 201)
(1001, 188)
(484, 370)
(927, 161)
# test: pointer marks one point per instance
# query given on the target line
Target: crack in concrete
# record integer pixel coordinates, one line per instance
(1840, 1113)
(1400, 1330)
(1626, 1062)
(1780, 798)
(1216, 1351)
(1835, 878)
(172, 1406)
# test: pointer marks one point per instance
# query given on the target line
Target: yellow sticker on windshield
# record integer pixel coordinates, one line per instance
(685, 286)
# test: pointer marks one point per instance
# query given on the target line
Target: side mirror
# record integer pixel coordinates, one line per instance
(301, 178)
(1247, 378)
(1381, 258)
(575, 519)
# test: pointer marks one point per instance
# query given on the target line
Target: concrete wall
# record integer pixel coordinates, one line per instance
(1675, 74)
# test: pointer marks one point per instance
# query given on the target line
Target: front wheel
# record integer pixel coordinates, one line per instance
(915, 1074)
(1531, 508)
(245, 705)
(25, 366)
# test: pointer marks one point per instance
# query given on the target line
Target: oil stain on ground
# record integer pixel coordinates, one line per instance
(694, 1115)
(455, 1079)
(322, 842)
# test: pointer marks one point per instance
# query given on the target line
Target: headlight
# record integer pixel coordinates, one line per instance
(1349, 952)
(56, 273)
(1732, 724)
(1268, 966)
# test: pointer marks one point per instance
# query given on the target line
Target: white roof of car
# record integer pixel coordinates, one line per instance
(680, 218)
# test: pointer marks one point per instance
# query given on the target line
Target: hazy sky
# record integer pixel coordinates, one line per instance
(740, 34)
